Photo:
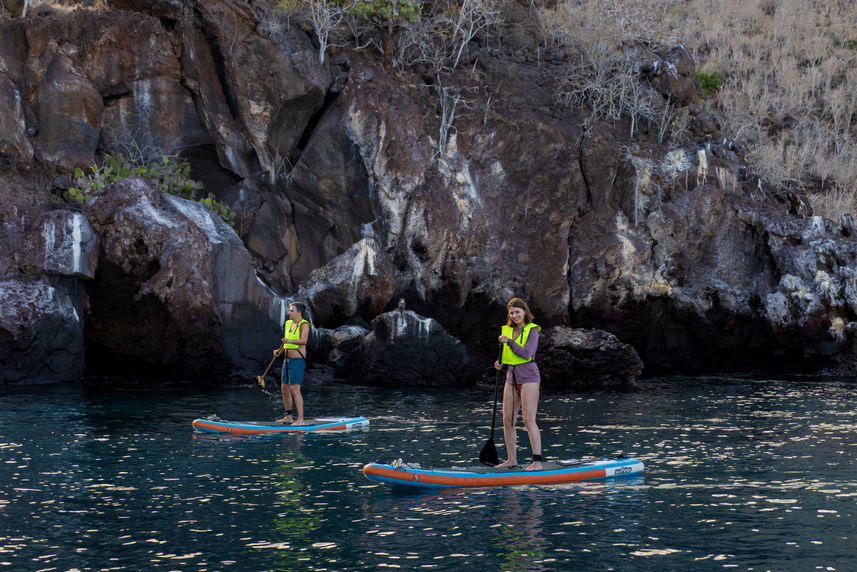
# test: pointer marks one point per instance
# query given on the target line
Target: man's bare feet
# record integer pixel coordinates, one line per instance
(506, 464)
(536, 466)
(299, 422)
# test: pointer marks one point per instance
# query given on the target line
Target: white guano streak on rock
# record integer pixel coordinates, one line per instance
(364, 261)
(143, 109)
(815, 229)
(409, 325)
(49, 234)
(675, 163)
(628, 250)
(279, 306)
(702, 170)
(148, 211)
(201, 216)
(32, 302)
(283, 307)
(466, 196)
(643, 179)
(75, 246)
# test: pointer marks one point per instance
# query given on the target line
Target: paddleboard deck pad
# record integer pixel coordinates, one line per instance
(563, 471)
(258, 427)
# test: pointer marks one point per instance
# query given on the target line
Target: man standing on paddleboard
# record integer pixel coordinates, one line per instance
(520, 339)
(294, 342)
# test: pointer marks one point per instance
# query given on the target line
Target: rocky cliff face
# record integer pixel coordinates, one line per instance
(353, 190)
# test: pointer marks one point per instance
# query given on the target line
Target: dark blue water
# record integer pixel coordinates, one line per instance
(740, 474)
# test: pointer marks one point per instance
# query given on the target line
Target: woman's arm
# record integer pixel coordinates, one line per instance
(528, 350)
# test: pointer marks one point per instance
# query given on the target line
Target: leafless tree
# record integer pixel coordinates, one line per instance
(450, 98)
(326, 16)
(473, 16)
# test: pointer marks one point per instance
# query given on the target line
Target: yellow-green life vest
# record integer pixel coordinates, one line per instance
(293, 335)
(509, 357)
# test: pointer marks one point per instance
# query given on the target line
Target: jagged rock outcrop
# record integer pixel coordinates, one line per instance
(41, 331)
(174, 290)
(58, 243)
(406, 349)
(331, 346)
(360, 281)
(15, 146)
(575, 358)
(673, 74)
(43, 300)
(714, 273)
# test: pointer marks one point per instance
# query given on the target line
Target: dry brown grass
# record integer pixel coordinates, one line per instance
(790, 85)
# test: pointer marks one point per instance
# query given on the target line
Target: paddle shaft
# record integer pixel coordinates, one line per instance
(496, 386)
(269, 366)
(488, 454)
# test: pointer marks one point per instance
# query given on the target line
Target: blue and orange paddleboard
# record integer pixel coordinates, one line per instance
(259, 427)
(412, 475)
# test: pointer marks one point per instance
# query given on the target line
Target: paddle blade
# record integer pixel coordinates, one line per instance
(260, 382)
(488, 454)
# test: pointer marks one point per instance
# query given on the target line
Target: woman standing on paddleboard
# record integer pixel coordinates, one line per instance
(295, 336)
(520, 340)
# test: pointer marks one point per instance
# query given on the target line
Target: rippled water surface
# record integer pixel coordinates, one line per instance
(740, 474)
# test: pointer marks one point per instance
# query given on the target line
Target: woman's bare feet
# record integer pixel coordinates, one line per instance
(286, 419)
(536, 466)
(506, 464)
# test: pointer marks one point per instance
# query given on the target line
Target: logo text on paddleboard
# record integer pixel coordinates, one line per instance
(622, 470)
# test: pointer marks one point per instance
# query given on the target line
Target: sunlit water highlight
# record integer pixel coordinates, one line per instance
(740, 474)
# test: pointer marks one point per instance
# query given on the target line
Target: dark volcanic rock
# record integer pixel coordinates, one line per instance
(675, 76)
(70, 109)
(360, 281)
(42, 300)
(41, 330)
(405, 349)
(575, 358)
(59, 242)
(175, 290)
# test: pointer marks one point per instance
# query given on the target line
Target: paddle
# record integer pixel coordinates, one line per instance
(488, 454)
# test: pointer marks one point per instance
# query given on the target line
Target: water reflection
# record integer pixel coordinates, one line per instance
(508, 528)
(740, 473)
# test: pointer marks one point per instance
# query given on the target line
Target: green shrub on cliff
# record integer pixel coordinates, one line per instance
(167, 175)
(709, 82)
(220, 209)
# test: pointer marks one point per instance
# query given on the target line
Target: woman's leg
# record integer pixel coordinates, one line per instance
(511, 402)
(530, 405)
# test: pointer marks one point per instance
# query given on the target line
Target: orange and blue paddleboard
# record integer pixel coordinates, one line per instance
(260, 427)
(565, 471)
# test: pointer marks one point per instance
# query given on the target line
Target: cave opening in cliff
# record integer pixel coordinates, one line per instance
(123, 331)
